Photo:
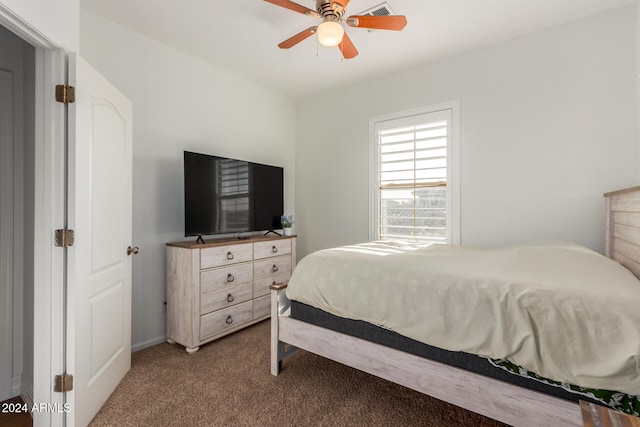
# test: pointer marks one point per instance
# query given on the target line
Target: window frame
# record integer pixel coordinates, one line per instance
(453, 164)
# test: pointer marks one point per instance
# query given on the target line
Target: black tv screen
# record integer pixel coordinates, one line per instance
(223, 195)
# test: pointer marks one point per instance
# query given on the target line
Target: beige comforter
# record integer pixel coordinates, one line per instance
(557, 309)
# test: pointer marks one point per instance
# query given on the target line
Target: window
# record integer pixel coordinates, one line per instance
(414, 165)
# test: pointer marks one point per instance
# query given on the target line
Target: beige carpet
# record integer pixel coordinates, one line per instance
(227, 383)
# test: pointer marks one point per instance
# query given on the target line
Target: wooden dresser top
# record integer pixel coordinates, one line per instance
(192, 244)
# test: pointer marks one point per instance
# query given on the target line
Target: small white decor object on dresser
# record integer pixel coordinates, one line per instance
(221, 286)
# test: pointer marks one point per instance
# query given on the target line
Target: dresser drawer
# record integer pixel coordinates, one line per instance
(233, 295)
(224, 255)
(261, 286)
(272, 267)
(261, 307)
(271, 248)
(227, 318)
(218, 278)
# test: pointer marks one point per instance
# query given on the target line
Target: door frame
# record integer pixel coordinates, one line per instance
(50, 214)
(7, 279)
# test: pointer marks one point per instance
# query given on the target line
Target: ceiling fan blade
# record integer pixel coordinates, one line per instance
(339, 5)
(292, 41)
(347, 47)
(294, 6)
(393, 22)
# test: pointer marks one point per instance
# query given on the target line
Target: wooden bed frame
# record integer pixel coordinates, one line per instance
(496, 399)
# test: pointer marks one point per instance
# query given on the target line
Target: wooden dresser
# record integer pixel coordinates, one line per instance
(221, 286)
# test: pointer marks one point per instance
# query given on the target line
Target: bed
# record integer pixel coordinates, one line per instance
(481, 319)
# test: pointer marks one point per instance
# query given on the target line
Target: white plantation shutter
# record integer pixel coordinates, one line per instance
(412, 165)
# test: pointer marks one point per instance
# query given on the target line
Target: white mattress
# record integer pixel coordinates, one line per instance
(557, 309)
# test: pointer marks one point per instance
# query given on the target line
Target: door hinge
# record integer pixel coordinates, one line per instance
(64, 238)
(63, 383)
(65, 94)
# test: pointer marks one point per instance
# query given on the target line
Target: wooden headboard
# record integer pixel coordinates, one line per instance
(622, 239)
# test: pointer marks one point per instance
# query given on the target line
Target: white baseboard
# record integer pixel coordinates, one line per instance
(16, 382)
(26, 392)
(148, 343)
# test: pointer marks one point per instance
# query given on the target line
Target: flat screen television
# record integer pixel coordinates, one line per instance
(225, 196)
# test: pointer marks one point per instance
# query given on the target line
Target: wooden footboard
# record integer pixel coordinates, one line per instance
(504, 402)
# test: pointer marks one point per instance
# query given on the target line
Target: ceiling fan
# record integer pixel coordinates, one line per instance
(331, 32)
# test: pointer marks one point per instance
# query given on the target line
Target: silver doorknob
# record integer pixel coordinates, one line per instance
(133, 250)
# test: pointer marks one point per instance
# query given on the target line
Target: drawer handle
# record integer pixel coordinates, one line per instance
(230, 278)
(274, 268)
(230, 298)
(229, 320)
(229, 256)
(274, 249)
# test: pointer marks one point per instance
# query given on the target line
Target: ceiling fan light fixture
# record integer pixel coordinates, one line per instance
(330, 33)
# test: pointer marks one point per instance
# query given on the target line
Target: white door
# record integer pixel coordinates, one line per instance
(6, 234)
(99, 268)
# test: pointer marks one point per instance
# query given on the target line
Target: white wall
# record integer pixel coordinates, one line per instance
(548, 124)
(180, 103)
(11, 231)
(17, 57)
(637, 69)
(57, 20)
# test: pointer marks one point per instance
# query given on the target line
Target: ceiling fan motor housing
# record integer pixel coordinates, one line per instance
(329, 13)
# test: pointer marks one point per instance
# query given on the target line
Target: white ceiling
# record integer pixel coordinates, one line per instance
(241, 36)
